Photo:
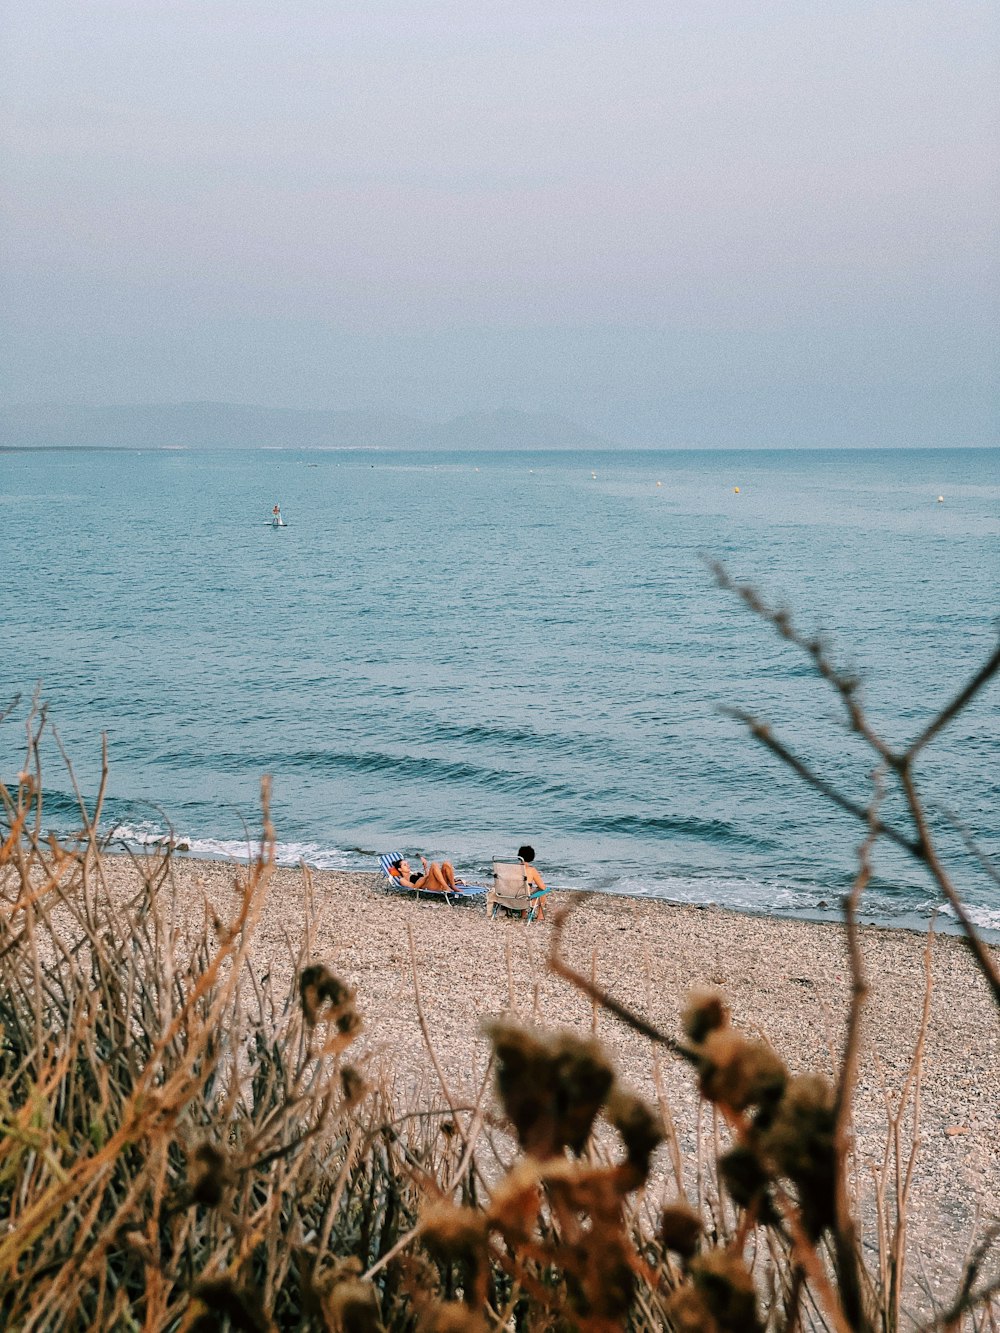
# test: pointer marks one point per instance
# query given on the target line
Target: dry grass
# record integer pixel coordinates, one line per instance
(183, 1148)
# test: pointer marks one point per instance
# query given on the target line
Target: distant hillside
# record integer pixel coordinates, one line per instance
(508, 429)
(232, 426)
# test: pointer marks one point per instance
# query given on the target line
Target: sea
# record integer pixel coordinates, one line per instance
(457, 653)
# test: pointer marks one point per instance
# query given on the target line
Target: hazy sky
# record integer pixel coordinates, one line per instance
(688, 221)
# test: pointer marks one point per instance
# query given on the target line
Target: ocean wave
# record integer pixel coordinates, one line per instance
(711, 830)
(423, 768)
(513, 739)
(983, 918)
(61, 805)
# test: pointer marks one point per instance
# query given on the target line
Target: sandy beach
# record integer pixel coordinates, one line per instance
(786, 980)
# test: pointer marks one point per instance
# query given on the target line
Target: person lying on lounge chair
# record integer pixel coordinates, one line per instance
(435, 879)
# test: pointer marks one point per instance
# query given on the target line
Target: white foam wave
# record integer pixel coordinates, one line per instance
(725, 891)
(984, 918)
(146, 833)
(143, 834)
(285, 853)
(788, 899)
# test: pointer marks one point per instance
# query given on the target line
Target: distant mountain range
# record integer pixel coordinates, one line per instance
(234, 425)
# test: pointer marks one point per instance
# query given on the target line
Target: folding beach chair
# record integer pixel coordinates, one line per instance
(513, 890)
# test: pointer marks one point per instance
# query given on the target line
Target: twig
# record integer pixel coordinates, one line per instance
(599, 995)
(988, 866)
(900, 762)
(845, 1236)
(928, 855)
(427, 1037)
(985, 673)
(760, 731)
(846, 686)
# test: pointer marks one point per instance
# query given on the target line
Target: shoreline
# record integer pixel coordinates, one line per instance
(911, 921)
(786, 980)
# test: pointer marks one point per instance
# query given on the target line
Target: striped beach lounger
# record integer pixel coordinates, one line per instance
(463, 892)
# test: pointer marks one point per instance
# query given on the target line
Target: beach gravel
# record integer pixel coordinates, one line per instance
(786, 980)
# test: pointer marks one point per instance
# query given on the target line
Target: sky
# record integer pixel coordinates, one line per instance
(688, 222)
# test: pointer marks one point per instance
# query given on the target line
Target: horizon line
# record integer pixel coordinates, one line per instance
(549, 449)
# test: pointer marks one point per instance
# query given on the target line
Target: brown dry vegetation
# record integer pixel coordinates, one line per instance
(185, 1146)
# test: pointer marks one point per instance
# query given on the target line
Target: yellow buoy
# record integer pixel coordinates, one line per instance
(736, 490)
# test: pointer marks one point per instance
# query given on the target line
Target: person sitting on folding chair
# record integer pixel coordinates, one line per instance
(527, 855)
(435, 879)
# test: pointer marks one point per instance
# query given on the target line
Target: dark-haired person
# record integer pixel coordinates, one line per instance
(527, 855)
(435, 879)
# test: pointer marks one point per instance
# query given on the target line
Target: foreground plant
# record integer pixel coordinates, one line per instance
(165, 1124)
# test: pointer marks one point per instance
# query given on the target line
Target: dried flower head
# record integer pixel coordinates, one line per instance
(523, 1064)
(208, 1175)
(743, 1175)
(223, 1299)
(596, 1191)
(705, 1012)
(608, 1283)
(551, 1088)
(321, 991)
(689, 1312)
(737, 1073)
(800, 1142)
(516, 1202)
(450, 1232)
(449, 1317)
(723, 1280)
(583, 1079)
(351, 1306)
(680, 1229)
(354, 1085)
(639, 1125)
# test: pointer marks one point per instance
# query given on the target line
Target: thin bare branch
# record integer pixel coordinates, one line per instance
(761, 732)
(596, 993)
(982, 677)
(928, 854)
(846, 686)
(846, 1252)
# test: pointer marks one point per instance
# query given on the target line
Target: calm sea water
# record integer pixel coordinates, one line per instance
(458, 653)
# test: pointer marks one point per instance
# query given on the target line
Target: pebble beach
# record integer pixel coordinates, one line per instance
(786, 981)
